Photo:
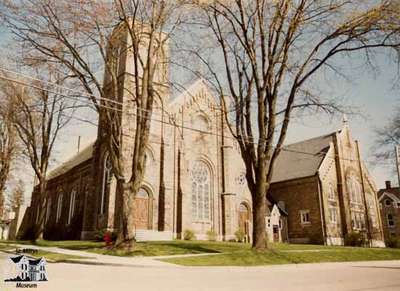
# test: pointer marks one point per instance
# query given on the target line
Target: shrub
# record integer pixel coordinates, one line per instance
(189, 235)
(354, 239)
(392, 242)
(211, 235)
(240, 235)
(99, 235)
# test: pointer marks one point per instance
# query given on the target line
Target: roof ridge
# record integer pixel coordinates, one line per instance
(54, 172)
(311, 139)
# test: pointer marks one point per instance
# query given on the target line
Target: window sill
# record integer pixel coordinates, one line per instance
(202, 221)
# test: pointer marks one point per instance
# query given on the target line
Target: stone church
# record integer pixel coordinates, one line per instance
(195, 178)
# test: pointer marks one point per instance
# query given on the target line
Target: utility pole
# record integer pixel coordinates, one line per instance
(397, 150)
(79, 143)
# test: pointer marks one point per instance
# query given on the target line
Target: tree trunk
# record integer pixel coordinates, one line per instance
(126, 236)
(39, 226)
(259, 211)
(2, 188)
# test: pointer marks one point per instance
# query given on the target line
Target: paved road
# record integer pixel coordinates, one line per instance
(319, 277)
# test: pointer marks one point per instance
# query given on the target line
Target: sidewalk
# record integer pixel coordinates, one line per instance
(99, 259)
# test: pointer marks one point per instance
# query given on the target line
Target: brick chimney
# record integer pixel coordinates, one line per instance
(388, 185)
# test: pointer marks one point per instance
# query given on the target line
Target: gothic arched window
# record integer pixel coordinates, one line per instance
(331, 193)
(354, 189)
(48, 210)
(200, 175)
(106, 181)
(72, 200)
(59, 206)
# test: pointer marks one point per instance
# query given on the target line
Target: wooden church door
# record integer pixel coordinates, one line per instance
(141, 209)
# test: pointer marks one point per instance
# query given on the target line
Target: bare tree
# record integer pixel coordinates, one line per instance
(272, 53)
(7, 147)
(386, 138)
(39, 114)
(16, 196)
(81, 37)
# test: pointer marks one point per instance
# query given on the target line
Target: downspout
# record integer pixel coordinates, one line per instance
(174, 191)
(321, 209)
(223, 176)
(161, 194)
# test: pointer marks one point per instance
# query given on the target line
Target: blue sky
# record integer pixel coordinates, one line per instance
(376, 96)
(373, 94)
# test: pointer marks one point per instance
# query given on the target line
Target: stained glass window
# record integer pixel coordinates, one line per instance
(200, 191)
(107, 176)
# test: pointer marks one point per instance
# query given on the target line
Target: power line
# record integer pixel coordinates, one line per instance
(87, 102)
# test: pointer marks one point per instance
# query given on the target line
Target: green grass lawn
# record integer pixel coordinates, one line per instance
(56, 257)
(10, 248)
(65, 244)
(289, 254)
(221, 253)
(174, 248)
(142, 248)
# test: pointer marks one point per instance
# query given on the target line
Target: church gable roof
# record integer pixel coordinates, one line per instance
(189, 95)
(301, 159)
(74, 161)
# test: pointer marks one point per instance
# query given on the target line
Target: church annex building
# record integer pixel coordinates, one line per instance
(321, 190)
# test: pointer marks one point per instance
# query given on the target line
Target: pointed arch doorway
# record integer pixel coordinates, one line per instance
(141, 209)
(244, 220)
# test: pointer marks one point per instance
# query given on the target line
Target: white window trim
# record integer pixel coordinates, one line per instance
(104, 185)
(48, 209)
(71, 211)
(302, 221)
(391, 202)
(59, 206)
(354, 188)
(335, 209)
(331, 191)
(199, 208)
(394, 223)
(359, 220)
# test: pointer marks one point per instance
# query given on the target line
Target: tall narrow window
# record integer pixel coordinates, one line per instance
(107, 176)
(390, 220)
(37, 213)
(331, 193)
(305, 217)
(333, 215)
(48, 210)
(200, 191)
(59, 206)
(354, 189)
(71, 205)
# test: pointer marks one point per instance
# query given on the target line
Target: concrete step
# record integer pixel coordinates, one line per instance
(153, 235)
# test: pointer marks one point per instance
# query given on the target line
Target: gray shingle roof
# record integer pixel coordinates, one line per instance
(302, 159)
(74, 161)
